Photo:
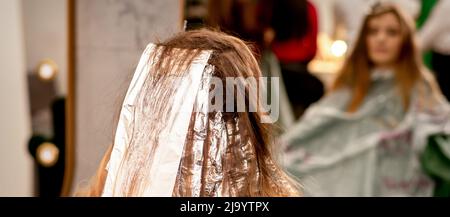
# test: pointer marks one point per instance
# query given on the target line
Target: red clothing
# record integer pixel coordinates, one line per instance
(299, 49)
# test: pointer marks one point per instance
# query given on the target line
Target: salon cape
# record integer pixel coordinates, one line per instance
(372, 152)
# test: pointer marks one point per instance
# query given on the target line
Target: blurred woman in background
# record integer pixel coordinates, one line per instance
(365, 137)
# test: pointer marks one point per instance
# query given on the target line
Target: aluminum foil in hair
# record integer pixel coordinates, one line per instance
(153, 124)
(220, 158)
(169, 143)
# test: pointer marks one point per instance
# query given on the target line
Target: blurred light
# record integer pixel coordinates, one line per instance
(338, 48)
(47, 70)
(47, 154)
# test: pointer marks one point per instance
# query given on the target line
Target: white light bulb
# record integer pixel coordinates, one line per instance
(338, 48)
(47, 154)
(46, 71)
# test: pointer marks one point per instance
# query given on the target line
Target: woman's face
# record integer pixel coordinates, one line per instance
(384, 40)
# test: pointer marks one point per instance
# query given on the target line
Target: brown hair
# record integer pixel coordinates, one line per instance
(259, 175)
(409, 70)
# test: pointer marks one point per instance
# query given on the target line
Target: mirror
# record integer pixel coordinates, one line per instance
(108, 40)
(46, 51)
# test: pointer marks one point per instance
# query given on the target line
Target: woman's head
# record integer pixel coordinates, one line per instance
(386, 40)
(233, 156)
(247, 165)
(386, 36)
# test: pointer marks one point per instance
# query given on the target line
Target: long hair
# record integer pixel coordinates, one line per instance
(409, 69)
(256, 174)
